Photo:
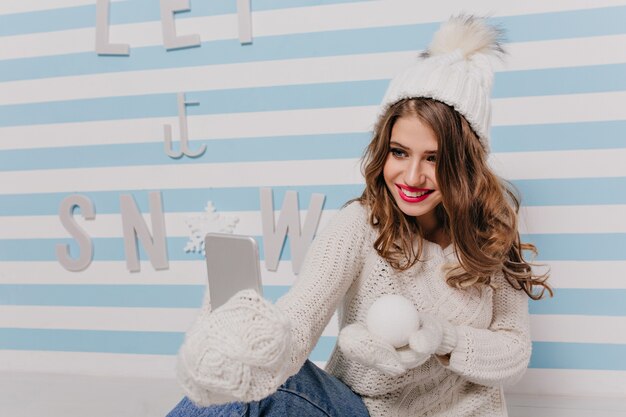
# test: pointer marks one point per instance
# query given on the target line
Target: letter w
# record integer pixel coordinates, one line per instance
(288, 224)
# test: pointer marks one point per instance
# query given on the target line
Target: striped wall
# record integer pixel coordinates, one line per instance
(291, 111)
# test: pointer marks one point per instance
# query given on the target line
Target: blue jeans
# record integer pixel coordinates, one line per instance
(311, 392)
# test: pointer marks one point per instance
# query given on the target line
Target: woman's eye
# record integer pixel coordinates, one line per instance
(431, 158)
(398, 153)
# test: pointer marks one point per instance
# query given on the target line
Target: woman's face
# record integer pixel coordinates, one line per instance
(409, 170)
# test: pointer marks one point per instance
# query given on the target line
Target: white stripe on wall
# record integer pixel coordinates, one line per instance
(272, 173)
(559, 108)
(118, 318)
(560, 164)
(89, 363)
(573, 219)
(588, 274)
(93, 318)
(597, 50)
(218, 126)
(578, 329)
(571, 382)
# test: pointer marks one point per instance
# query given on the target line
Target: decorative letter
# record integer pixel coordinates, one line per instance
(135, 227)
(103, 47)
(85, 245)
(245, 21)
(170, 40)
(184, 133)
(288, 222)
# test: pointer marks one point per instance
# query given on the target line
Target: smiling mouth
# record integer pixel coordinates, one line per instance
(413, 196)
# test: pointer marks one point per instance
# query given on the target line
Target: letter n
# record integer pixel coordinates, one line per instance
(135, 229)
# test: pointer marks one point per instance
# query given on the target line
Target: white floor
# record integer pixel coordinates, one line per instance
(44, 395)
(546, 406)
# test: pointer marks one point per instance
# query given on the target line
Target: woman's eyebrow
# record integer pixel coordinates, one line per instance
(394, 143)
(399, 145)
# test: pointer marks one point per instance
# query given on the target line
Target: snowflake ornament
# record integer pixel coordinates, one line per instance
(208, 222)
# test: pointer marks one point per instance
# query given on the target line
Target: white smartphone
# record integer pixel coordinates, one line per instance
(232, 265)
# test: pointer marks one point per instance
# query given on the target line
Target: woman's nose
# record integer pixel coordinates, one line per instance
(414, 175)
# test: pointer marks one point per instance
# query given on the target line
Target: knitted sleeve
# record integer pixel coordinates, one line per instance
(333, 262)
(245, 349)
(500, 354)
(234, 353)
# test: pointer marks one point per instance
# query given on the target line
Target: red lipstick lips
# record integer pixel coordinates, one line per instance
(412, 194)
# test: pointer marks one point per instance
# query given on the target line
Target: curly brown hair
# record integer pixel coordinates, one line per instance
(478, 211)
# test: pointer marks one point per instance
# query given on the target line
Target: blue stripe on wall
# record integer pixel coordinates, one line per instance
(108, 341)
(552, 247)
(145, 343)
(566, 192)
(554, 81)
(559, 136)
(567, 301)
(560, 25)
(285, 148)
(135, 11)
(592, 79)
(158, 296)
(322, 350)
(580, 301)
(548, 137)
(162, 296)
(554, 355)
(593, 22)
(579, 246)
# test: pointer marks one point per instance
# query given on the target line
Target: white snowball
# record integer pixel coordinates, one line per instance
(393, 318)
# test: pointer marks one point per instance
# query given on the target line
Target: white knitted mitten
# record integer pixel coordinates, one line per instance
(435, 336)
(239, 352)
(358, 344)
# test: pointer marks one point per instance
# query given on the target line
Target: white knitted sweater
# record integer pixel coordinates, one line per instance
(343, 271)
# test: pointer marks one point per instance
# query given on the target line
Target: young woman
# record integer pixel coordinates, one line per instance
(434, 225)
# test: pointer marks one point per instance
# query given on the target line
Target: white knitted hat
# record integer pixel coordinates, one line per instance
(456, 70)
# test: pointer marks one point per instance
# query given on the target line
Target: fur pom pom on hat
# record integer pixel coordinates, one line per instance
(456, 69)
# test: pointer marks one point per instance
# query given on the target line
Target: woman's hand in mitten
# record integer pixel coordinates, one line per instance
(434, 336)
(239, 352)
(359, 344)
